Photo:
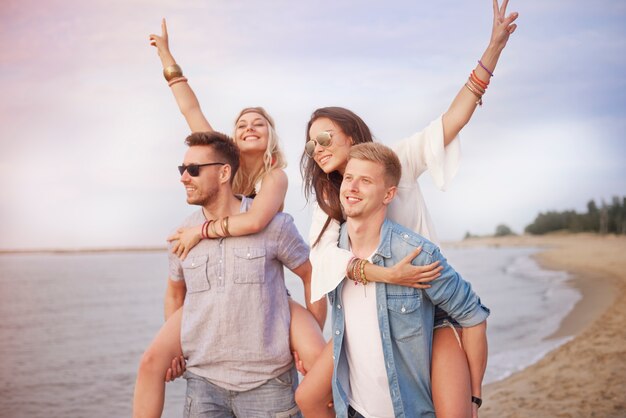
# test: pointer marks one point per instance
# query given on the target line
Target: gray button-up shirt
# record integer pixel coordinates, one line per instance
(235, 326)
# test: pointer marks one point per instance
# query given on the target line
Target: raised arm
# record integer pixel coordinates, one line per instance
(265, 205)
(463, 105)
(184, 95)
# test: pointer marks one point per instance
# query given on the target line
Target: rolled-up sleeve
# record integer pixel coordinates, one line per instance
(175, 265)
(329, 261)
(425, 150)
(455, 295)
(292, 251)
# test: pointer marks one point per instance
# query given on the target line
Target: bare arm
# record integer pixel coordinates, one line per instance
(318, 309)
(264, 207)
(404, 273)
(174, 296)
(184, 95)
(460, 111)
(475, 346)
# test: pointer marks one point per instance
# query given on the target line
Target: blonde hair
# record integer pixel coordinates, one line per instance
(244, 183)
(381, 154)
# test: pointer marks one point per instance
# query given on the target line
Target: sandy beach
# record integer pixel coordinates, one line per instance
(585, 377)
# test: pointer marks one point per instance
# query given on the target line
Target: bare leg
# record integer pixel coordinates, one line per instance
(450, 376)
(150, 384)
(315, 391)
(305, 335)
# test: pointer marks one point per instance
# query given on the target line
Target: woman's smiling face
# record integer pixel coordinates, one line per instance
(335, 156)
(252, 132)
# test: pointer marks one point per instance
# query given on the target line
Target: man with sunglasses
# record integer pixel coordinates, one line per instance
(235, 322)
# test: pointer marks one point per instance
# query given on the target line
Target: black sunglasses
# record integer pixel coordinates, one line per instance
(194, 169)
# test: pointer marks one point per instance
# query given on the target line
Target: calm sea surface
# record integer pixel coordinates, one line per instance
(74, 325)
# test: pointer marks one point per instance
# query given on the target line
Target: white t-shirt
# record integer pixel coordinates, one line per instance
(420, 152)
(369, 388)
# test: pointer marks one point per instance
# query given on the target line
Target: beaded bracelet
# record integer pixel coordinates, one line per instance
(485, 68)
(363, 279)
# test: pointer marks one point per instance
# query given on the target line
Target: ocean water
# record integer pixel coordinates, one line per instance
(74, 325)
(527, 304)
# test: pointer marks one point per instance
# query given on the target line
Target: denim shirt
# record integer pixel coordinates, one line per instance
(405, 320)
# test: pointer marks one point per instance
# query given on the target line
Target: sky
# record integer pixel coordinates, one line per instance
(90, 135)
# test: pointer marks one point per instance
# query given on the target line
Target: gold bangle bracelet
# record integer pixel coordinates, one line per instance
(173, 71)
(225, 226)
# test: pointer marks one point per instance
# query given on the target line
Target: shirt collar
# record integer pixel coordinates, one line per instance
(384, 247)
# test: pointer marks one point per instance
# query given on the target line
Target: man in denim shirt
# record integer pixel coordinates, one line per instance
(382, 334)
(235, 323)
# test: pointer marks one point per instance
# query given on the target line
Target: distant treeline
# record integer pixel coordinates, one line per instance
(609, 218)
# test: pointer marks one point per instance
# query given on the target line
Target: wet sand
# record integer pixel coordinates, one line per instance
(585, 377)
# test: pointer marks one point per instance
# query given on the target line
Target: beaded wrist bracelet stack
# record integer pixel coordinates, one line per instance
(477, 86)
(173, 74)
(211, 225)
(356, 271)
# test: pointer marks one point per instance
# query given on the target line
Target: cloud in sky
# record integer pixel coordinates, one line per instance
(90, 135)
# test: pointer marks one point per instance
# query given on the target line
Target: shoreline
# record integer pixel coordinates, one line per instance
(94, 250)
(586, 375)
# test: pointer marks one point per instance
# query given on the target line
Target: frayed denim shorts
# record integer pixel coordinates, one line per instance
(442, 319)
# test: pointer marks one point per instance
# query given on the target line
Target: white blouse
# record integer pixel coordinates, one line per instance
(420, 152)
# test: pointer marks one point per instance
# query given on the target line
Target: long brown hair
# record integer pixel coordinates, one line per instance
(316, 182)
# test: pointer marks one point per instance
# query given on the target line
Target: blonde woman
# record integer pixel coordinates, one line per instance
(261, 175)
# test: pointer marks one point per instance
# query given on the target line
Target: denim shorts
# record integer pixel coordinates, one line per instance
(442, 319)
(273, 399)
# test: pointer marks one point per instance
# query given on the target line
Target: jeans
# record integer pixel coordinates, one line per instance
(273, 399)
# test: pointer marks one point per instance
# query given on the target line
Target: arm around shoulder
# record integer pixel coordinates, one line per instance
(265, 206)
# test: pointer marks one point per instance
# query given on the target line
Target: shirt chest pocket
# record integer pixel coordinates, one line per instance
(404, 317)
(196, 274)
(249, 265)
